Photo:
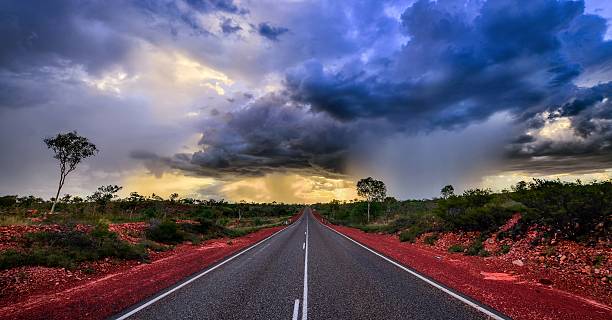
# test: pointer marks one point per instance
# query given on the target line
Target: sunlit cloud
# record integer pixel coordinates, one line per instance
(290, 188)
(170, 182)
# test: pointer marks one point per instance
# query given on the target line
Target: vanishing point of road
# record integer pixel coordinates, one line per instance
(307, 271)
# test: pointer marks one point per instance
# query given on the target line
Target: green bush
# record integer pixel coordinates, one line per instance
(505, 249)
(476, 248)
(165, 232)
(431, 239)
(8, 201)
(410, 234)
(456, 248)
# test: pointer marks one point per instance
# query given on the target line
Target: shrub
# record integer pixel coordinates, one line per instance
(456, 248)
(8, 201)
(151, 212)
(431, 239)
(166, 232)
(504, 249)
(411, 234)
(475, 248)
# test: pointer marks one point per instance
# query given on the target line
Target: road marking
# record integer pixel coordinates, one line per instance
(303, 245)
(296, 308)
(305, 294)
(436, 285)
(152, 301)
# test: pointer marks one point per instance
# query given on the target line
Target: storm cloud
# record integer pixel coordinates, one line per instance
(238, 89)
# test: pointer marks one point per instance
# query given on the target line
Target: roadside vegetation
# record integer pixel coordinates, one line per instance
(576, 211)
(81, 226)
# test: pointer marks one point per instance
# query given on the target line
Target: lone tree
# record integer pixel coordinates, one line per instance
(70, 149)
(447, 191)
(372, 190)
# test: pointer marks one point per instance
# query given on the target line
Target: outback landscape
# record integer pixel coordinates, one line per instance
(550, 235)
(295, 159)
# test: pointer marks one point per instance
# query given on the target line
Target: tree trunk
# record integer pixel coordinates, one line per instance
(368, 212)
(59, 188)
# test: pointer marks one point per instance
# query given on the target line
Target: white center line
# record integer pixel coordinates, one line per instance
(305, 294)
(296, 308)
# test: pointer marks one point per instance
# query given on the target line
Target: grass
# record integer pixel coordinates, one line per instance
(12, 220)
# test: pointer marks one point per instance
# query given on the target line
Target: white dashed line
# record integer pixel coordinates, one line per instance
(296, 308)
(305, 294)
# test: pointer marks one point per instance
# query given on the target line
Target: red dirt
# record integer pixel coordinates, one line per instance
(52, 293)
(527, 292)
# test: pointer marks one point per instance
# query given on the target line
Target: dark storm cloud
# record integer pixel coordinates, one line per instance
(465, 63)
(458, 68)
(272, 134)
(55, 33)
(354, 74)
(268, 135)
(267, 30)
(51, 42)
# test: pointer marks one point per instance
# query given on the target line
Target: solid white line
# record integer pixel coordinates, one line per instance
(305, 294)
(445, 290)
(296, 308)
(152, 301)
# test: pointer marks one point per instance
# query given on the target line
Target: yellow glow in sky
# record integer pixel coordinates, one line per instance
(146, 183)
(290, 188)
(279, 187)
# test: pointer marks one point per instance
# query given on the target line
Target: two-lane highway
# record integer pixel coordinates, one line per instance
(305, 271)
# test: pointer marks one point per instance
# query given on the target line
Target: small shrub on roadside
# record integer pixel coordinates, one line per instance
(504, 249)
(410, 234)
(431, 239)
(455, 248)
(475, 248)
(165, 232)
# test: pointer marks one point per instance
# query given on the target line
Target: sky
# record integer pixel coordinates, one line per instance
(295, 100)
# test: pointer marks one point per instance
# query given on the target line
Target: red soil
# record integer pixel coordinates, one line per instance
(521, 292)
(52, 293)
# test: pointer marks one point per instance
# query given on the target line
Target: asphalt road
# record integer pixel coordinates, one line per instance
(305, 271)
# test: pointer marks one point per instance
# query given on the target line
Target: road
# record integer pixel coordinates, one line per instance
(305, 271)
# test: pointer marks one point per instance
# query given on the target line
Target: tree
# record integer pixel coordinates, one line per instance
(447, 191)
(372, 190)
(104, 194)
(70, 149)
